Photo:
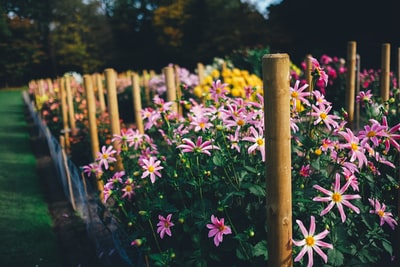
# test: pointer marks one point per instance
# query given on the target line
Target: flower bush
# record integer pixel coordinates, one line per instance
(192, 188)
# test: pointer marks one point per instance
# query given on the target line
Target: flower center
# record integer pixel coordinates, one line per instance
(336, 197)
(201, 124)
(151, 169)
(295, 94)
(105, 156)
(323, 115)
(371, 134)
(128, 188)
(240, 122)
(310, 241)
(260, 142)
(380, 213)
(354, 146)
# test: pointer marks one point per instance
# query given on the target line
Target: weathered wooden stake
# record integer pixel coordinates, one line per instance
(100, 93)
(70, 101)
(385, 72)
(137, 102)
(276, 75)
(351, 82)
(308, 73)
(113, 111)
(64, 109)
(358, 85)
(200, 72)
(146, 78)
(94, 137)
(171, 88)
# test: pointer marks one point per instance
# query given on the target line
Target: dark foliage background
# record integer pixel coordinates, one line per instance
(44, 38)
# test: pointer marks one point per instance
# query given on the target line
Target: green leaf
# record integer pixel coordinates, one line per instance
(260, 249)
(335, 257)
(218, 160)
(257, 190)
(387, 246)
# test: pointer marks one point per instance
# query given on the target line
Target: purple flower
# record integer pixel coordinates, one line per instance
(336, 197)
(164, 225)
(311, 243)
(379, 209)
(218, 229)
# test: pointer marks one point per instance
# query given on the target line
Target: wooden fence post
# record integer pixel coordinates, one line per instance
(171, 88)
(70, 102)
(146, 78)
(358, 85)
(350, 82)
(276, 76)
(64, 110)
(100, 93)
(113, 111)
(200, 72)
(385, 72)
(308, 73)
(94, 137)
(137, 102)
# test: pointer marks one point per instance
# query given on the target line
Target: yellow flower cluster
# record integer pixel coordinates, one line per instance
(236, 79)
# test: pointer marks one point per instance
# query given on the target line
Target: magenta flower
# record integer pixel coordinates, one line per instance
(164, 225)
(298, 95)
(218, 90)
(151, 167)
(200, 147)
(371, 133)
(311, 243)
(337, 198)
(356, 151)
(106, 156)
(385, 217)
(321, 112)
(92, 169)
(129, 188)
(258, 141)
(218, 229)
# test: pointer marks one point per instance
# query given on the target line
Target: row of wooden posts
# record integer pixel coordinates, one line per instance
(276, 83)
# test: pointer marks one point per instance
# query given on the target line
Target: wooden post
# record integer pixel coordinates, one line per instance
(64, 109)
(100, 93)
(351, 82)
(178, 90)
(70, 101)
(113, 111)
(137, 102)
(94, 138)
(308, 73)
(358, 85)
(145, 77)
(200, 72)
(276, 76)
(171, 88)
(385, 72)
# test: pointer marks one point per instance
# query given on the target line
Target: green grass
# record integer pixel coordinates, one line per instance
(26, 235)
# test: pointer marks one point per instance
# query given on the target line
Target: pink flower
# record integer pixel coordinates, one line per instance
(106, 156)
(218, 90)
(92, 169)
(218, 229)
(356, 151)
(298, 95)
(258, 141)
(385, 217)
(151, 167)
(164, 225)
(337, 198)
(311, 243)
(129, 188)
(322, 114)
(200, 147)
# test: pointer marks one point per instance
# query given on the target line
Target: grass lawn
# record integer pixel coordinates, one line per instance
(26, 234)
